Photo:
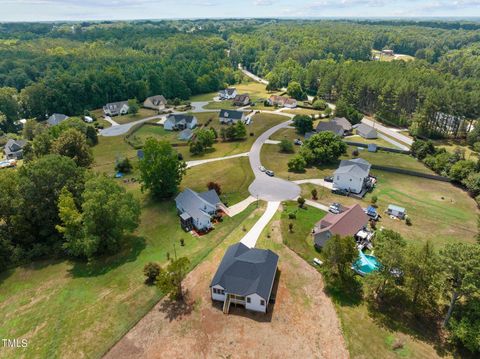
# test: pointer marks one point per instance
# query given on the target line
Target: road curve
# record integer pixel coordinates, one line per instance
(265, 187)
(388, 131)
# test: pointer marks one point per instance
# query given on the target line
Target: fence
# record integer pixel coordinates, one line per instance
(411, 173)
(379, 148)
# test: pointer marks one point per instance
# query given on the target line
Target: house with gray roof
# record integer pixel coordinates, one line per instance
(352, 175)
(185, 135)
(227, 94)
(366, 131)
(196, 210)
(245, 276)
(346, 125)
(157, 102)
(14, 149)
(179, 122)
(231, 116)
(116, 108)
(330, 126)
(56, 119)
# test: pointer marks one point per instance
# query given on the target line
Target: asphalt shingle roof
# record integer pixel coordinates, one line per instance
(231, 114)
(330, 126)
(244, 271)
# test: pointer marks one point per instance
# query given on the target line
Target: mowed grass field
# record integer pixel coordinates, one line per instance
(233, 175)
(365, 336)
(74, 309)
(440, 211)
(256, 90)
(142, 113)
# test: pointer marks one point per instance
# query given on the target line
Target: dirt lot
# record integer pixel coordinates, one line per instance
(301, 324)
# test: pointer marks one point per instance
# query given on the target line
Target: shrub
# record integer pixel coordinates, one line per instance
(408, 221)
(292, 215)
(297, 164)
(374, 199)
(355, 153)
(124, 165)
(286, 146)
(290, 227)
(319, 105)
(301, 201)
(215, 186)
(151, 271)
(314, 193)
(182, 242)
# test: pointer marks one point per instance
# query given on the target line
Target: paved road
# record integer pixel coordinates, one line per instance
(388, 131)
(208, 160)
(265, 187)
(250, 239)
(393, 142)
(252, 76)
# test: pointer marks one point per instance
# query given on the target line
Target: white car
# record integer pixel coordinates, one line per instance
(317, 262)
(262, 169)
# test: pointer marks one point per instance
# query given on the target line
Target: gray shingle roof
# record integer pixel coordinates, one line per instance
(231, 114)
(157, 100)
(357, 166)
(56, 118)
(366, 130)
(185, 135)
(196, 204)
(178, 118)
(244, 271)
(13, 146)
(210, 196)
(330, 126)
(342, 121)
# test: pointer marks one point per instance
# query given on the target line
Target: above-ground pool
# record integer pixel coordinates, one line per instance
(366, 264)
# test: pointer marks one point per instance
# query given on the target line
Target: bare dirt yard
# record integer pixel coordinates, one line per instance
(301, 324)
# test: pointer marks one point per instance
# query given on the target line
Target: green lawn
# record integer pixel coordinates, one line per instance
(108, 150)
(300, 239)
(377, 141)
(142, 113)
(234, 177)
(71, 309)
(365, 337)
(440, 212)
(256, 90)
(221, 105)
(157, 132)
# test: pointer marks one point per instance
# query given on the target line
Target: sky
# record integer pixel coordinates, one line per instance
(51, 10)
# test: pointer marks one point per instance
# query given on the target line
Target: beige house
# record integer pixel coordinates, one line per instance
(155, 102)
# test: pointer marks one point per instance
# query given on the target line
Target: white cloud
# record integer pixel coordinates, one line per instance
(263, 2)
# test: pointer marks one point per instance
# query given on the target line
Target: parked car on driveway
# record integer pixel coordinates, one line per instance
(262, 169)
(317, 262)
(335, 208)
(270, 173)
(298, 142)
(328, 179)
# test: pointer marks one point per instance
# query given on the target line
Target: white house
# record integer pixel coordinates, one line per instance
(179, 122)
(196, 210)
(245, 276)
(352, 175)
(231, 116)
(116, 108)
(228, 94)
(366, 131)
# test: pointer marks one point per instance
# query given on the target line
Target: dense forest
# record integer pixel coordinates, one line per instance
(73, 67)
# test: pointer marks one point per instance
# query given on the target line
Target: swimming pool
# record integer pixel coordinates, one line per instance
(366, 264)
